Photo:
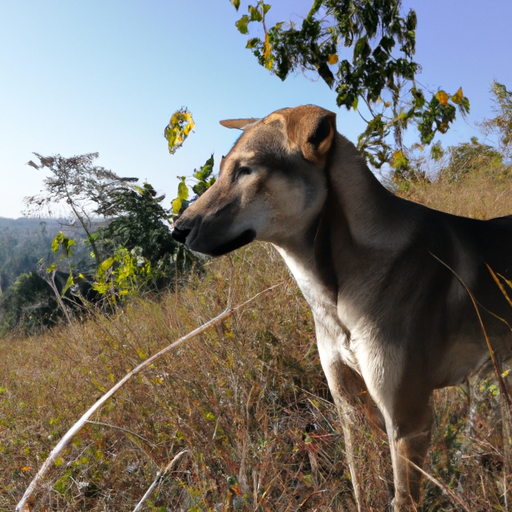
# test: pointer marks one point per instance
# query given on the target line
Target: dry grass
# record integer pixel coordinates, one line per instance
(479, 196)
(247, 399)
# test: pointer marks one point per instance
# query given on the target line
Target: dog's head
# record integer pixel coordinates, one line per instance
(271, 184)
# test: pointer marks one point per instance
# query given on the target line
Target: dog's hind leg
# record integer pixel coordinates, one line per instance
(409, 433)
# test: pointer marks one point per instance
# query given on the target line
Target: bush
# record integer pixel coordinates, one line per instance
(28, 305)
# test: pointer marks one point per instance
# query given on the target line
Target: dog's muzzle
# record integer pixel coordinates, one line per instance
(180, 235)
(244, 238)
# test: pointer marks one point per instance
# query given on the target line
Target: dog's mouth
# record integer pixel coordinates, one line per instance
(244, 238)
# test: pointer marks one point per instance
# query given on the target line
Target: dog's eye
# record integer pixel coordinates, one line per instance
(243, 171)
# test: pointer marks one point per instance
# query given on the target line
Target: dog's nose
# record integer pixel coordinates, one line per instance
(180, 235)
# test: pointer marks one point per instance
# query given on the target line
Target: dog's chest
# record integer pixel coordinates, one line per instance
(333, 336)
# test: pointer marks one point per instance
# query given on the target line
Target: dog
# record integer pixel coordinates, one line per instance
(389, 282)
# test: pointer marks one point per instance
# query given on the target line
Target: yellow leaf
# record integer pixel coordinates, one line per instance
(399, 160)
(457, 97)
(266, 48)
(333, 59)
(178, 129)
(188, 128)
(442, 97)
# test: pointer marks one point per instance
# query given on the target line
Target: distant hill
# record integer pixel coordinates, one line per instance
(24, 241)
(44, 224)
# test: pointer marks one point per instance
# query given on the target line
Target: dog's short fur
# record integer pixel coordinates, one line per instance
(379, 272)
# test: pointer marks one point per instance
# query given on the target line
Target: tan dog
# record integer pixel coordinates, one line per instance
(390, 317)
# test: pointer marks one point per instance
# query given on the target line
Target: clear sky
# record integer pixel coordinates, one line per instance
(80, 76)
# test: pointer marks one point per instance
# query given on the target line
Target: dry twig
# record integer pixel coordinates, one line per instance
(159, 476)
(27, 501)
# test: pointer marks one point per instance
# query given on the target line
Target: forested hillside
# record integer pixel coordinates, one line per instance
(24, 241)
(27, 300)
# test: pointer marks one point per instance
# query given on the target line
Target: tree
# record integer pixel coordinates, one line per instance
(470, 158)
(20, 251)
(78, 183)
(139, 221)
(364, 50)
(502, 123)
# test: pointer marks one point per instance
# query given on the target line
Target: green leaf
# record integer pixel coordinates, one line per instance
(387, 43)
(105, 265)
(70, 282)
(236, 4)
(361, 48)
(56, 242)
(255, 14)
(63, 241)
(411, 21)
(253, 43)
(419, 98)
(436, 152)
(176, 205)
(183, 191)
(199, 188)
(241, 24)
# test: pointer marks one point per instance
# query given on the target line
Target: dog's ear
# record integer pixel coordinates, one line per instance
(240, 124)
(312, 129)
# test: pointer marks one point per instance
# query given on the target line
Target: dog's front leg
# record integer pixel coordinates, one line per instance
(347, 389)
(337, 380)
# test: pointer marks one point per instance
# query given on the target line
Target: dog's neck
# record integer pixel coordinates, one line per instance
(359, 214)
(374, 216)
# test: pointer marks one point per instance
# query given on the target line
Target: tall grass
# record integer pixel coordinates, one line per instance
(478, 195)
(247, 400)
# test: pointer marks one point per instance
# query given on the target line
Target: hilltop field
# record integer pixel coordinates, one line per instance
(247, 400)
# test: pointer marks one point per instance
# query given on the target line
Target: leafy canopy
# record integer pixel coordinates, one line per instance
(470, 158)
(138, 219)
(364, 50)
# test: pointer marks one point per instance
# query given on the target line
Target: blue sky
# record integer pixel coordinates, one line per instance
(80, 76)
